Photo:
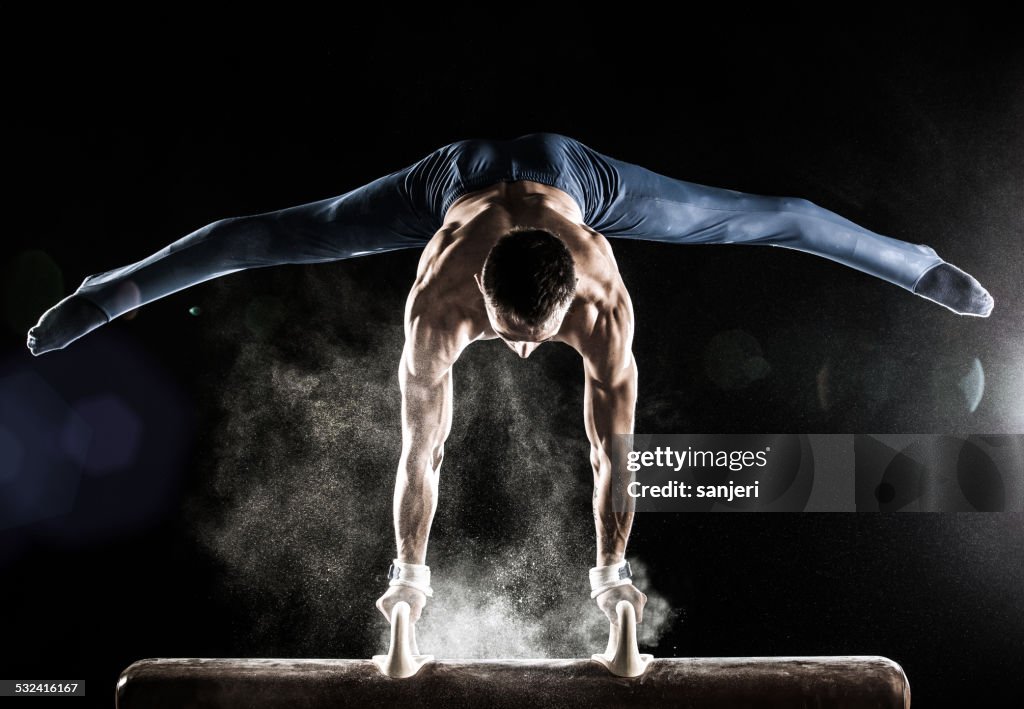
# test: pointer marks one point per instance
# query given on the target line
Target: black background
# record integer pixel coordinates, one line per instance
(117, 145)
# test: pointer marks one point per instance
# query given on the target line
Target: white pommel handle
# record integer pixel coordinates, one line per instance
(403, 658)
(622, 658)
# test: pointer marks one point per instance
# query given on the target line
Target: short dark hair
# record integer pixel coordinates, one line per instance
(529, 273)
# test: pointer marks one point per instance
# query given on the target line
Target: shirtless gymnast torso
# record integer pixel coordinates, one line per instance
(448, 309)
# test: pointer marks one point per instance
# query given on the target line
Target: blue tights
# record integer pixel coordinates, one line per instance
(403, 210)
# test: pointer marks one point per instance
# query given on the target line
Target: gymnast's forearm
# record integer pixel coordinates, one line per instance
(613, 518)
(426, 422)
(609, 405)
(414, 505)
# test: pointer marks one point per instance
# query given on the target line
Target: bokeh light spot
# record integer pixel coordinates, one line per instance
(12, 453)
(116, 434)
(733, 360)
(45, 482)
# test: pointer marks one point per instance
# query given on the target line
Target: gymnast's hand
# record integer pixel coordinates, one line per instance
(394, 594)
(610, 598)
(64, 323)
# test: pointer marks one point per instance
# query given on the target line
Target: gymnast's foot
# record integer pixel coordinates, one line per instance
(64, 323)
(949, 286)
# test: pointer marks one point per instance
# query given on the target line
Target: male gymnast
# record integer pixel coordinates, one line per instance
(515, 246)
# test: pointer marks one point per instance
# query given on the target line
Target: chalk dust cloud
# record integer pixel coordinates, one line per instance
(295, 505)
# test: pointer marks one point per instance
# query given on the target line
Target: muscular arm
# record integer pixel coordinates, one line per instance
(425, 379)
(609, 401)
(426, 423)
(608, 406)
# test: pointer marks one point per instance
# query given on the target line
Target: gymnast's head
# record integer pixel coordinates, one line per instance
(528, 282)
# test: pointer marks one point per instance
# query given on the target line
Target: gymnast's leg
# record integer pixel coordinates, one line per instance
(629, 201)
(393, 212)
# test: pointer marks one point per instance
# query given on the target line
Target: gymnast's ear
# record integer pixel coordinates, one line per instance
(479, 283)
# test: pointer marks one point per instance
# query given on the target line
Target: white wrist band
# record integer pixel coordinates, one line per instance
(605, 578)
(412, 575)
